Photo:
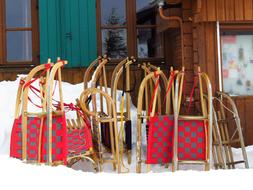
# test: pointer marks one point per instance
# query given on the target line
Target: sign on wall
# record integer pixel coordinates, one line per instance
(237, 64)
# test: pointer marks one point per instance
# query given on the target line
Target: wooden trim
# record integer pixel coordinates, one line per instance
(19, 29)
(19, 63)
(236, 26)
(112, 27)
(146, 26)
(35, 32)
(134, 30)
(130, 7)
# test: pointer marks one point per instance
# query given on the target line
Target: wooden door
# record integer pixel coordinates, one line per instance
(68, 30)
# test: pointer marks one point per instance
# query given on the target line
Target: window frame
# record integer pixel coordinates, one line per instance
(132, 27)
(232, 27)
(35, 37)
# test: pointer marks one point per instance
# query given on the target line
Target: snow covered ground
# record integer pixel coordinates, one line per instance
(15, 174)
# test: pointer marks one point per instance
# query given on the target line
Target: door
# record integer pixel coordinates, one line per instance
(68, 30)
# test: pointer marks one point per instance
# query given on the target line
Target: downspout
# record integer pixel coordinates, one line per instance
(180, 21)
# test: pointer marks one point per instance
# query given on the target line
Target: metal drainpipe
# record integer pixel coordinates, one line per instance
(179, 20)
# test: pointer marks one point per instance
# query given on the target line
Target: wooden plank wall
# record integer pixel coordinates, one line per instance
(223, 10)
(205, 55)
(205, 50)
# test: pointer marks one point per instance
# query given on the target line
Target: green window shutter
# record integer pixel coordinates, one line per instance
(68, 30)
(50, 46)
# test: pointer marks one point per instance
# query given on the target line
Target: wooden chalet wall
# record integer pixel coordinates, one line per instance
(205, 14)
(223, 10)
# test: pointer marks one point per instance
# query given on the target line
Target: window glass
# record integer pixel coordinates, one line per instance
(149, 43)
(18, 13)
(114, 43)
(19, 46)
(237, 62)
(113, 12)
(145, 12)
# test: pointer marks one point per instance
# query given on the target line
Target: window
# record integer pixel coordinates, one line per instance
(149, 42)
(128, 27)
(114, 28)
(19, 31)
(237, 61)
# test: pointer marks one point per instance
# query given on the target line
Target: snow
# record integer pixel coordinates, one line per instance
(15, 174)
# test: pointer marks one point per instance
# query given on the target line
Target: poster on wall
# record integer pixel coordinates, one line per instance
(237, 64)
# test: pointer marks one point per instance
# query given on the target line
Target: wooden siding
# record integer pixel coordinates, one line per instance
(223, 10)
(205, 55)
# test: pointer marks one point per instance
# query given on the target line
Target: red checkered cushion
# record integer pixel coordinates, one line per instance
(79, 141)
(191, 140)
(64, 143)
(33, 127)
(160, 140)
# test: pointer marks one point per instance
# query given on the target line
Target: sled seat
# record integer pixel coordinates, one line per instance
(79, 139)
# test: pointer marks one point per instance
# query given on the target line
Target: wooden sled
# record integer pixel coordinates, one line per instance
(122, 70)
(78, 135)
(100, 116)
(227, 133)
(145, 94)
(193, 134)
(46, 136)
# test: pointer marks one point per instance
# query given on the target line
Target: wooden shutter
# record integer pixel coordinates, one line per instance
(68, 30)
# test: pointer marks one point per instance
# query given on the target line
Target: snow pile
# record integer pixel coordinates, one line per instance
(8, 91)
(15, 174)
